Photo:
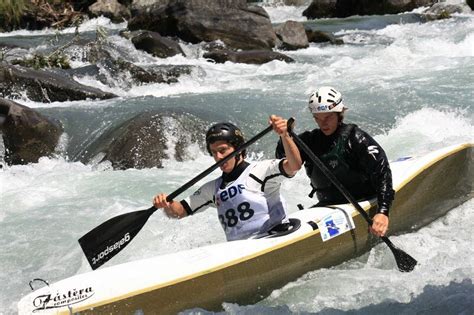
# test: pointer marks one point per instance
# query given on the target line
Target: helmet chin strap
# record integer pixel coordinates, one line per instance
(237, 159)
(234, 173)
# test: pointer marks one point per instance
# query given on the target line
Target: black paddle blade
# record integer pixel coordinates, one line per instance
(405, 262)
(108, 239)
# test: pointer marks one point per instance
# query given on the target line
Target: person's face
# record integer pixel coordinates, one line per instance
(221, 149)
(327, 122)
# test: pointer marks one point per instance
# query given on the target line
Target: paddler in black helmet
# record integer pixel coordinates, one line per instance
(246, 195)
(353, 156)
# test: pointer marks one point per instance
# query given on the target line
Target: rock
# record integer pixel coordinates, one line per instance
(291, 35)
(248, 56)
(89, 70)
(233, 22)
(321, 9)
(146, 139)
(11, 54)
(111, 9)
(82, 5)
(143, 5)
(470, 3)
(45, 86)
(156, 45)
(156, 74)
(443, 11)
(295, 2)
(117, 72)
(27, 135)
(345, 8)
(322, 37)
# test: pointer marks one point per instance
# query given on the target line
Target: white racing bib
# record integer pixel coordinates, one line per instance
(242, 212)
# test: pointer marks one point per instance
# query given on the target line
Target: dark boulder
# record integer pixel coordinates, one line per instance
(45, 86)
(292, 35)
(470, 3)
(146, 139)
(321, 9)
(156, 45)
(322, 37)
(155, 74)
(235, 23)
(27, 135)
(345, 8)
(248, 56)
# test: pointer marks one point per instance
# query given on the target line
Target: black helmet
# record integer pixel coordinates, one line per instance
(226, 132)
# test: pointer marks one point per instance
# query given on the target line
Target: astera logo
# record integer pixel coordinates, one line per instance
(61, 299)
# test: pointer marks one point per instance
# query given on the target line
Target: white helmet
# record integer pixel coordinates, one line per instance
(326, 100)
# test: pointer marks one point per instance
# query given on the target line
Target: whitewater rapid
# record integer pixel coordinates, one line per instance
(408, 84)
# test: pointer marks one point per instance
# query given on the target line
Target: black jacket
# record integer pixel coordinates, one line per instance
(355, 158)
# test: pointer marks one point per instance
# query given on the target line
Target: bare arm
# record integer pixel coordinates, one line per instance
(292, 163)
(173, 209)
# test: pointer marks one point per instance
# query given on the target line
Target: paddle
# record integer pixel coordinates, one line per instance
(108, 239)
(405, 262)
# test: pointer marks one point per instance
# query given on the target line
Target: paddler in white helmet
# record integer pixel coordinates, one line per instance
(351, 154)
(246, 195)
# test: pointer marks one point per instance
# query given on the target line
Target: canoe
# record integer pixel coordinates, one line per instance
(246, 271)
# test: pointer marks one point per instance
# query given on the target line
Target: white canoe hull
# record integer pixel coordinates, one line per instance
(246, 271)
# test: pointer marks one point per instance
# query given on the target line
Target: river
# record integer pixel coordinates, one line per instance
(409, 84)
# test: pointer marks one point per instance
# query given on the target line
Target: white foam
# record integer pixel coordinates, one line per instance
(282, 13)
(427, 129)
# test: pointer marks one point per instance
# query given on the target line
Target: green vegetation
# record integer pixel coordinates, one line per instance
(101, 34)
(39, 61)
(444, 15)
(11, 12)
(58, 58)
